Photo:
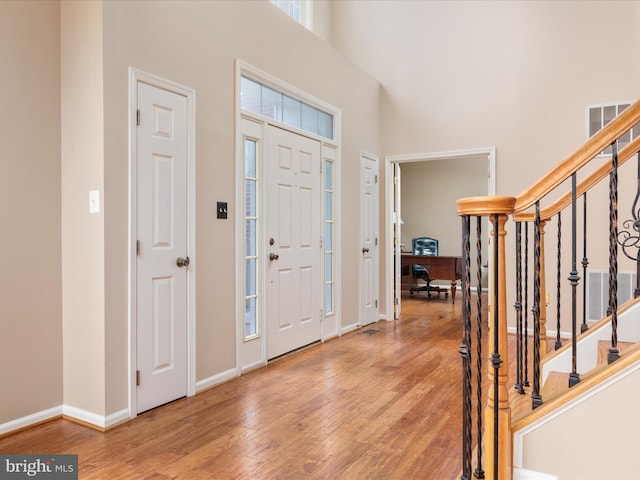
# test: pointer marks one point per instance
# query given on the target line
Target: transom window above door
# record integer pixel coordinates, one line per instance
(269, 102)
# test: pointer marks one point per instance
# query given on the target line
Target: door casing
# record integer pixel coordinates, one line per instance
(136, 76)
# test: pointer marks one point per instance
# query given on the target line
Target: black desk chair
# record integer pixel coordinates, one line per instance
(424, 246)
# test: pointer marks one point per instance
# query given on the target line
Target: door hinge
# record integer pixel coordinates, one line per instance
(376, 179)
(395, 301)
(376, 244)
(138, 117)
(320, 166)
(137, 378)
(321, 315)
(395, 180)
(376, 303)
(321, 241)
(137, 248)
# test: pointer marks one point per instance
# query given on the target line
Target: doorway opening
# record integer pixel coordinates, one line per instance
(450, 163)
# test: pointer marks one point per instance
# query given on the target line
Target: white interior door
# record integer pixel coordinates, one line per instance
(397, 238)
(161, 284)
(369, 209)
(294, 253)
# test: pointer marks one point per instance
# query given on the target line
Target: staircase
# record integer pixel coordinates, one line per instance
(562, 406)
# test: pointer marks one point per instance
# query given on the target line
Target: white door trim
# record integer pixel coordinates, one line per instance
(489, 153)
(136, 76)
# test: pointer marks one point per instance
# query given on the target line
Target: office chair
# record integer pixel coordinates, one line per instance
(423, 246)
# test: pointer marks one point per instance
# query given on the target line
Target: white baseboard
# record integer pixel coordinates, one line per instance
(349, 328)
(216, 379)
(29, 420)
(100, 421)
(73, 412)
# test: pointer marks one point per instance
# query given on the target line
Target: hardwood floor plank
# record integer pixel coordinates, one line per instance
(380, 406)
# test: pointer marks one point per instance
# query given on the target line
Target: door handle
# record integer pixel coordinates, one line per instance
(365, 249)
(273, 256)
(182, 261)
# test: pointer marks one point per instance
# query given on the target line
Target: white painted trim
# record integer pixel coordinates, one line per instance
(217, 379)
(349, 328)
(243, 68)
(518, 436)
(28, 420)
(488, 152)
(136, 76)
(100, 421)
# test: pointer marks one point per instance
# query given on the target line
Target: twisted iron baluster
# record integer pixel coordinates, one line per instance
(536, 398)
(526, 305)
(614, 354)
(629, 242)
(585, 264)
(479, 472)
(465, 351)
(558, 343)
(518, 306)
(574, 278)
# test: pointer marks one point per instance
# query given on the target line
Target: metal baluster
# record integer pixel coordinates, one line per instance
(518, 306)
(495, 356)
(526, 305)
(558, 343)
(614, 354)
(574, 278)
(536, 398)
(585, 264)
(465, 351)
(629, 242)
(479, 472)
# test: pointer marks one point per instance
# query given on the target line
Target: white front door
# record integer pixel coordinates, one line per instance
(368, 240)
(293, 236)
(161, 284)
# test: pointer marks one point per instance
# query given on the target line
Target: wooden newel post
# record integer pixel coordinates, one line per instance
(497, 424)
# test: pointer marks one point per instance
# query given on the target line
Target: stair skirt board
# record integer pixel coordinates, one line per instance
(519, 435)
(628, 331)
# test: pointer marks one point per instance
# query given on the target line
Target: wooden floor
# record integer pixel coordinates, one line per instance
(379, 406)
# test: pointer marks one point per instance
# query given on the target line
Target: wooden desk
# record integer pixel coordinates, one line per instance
(440, 268)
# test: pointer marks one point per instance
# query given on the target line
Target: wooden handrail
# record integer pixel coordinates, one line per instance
(579, 158)
(545, 214)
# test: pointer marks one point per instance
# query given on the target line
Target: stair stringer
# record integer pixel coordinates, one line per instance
(576, 436)
(587, 343)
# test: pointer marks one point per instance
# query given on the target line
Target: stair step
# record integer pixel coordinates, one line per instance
(556, 383)
(603, 349)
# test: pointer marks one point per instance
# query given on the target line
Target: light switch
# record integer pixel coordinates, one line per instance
(94, 201)
(222, 209)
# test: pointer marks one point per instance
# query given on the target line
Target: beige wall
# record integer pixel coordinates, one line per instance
(429, 191)
(30, 302)
(196, 44)
(514, 75)
(83, 262)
